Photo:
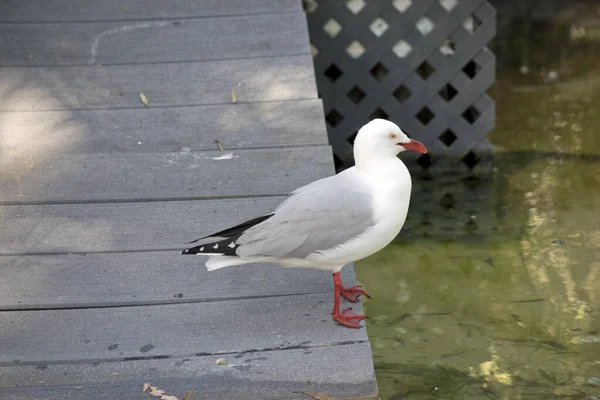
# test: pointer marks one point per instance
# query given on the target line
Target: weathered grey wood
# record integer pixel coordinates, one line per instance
(119, 333)
(134, 42)
(116, 10)
(110, 316)
(236, 126)
(128, 226)
(164, 84)
(125, 279)
(338, 371)
(168, 175)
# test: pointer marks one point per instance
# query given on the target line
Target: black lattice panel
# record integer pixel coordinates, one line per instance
(421, 63)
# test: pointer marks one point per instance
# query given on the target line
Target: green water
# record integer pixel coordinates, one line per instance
(509, 311)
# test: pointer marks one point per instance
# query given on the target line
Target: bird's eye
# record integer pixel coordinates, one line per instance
(392, 136)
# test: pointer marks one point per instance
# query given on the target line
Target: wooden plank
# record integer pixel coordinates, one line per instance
(168, 175)
(168, 84)
(24, 135)
(122, 333)
(343, 371)
(153, 41)
(126, 279)
(119, 10)
(66, 228)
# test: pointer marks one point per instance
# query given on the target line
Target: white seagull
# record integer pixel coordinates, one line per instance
(330, 222)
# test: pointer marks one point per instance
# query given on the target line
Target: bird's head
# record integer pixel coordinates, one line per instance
(382, 138)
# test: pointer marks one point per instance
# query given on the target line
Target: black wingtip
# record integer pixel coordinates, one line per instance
(236, 230)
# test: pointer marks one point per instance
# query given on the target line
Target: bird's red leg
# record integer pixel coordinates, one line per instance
(347, 317)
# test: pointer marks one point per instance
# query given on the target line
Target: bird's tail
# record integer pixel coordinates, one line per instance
(216, 262)
(221, 254)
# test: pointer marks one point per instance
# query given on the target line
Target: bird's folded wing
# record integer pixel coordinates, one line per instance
(317, 217)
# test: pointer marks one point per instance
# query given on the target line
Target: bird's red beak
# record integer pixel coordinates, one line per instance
(414, 146)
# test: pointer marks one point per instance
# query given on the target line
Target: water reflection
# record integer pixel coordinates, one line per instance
(513, 315)
(505, 306)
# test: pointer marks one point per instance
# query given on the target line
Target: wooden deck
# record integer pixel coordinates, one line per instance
(99, 192)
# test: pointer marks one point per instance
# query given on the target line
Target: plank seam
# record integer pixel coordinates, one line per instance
(148, 303)
(165, 106)
(84, 253)
(215, 150)
(182, 18)
(96, 65)
(142, 107)
(139, 200)
(17, 363)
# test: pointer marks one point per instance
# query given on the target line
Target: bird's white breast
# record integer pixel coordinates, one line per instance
(390, 186)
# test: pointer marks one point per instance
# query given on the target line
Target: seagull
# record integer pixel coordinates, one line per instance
(330, 222)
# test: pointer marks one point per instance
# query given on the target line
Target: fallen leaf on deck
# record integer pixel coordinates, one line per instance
(156, 392)
(220, 361)
(233, 96)
(218, 142)
(144, 99)
(318, 396)
(226, 156)
(187, 395)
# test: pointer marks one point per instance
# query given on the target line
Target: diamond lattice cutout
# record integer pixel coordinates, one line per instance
(402, 93)
(448, 137)
(425, 25)
(356, 95)
(471, 115)
(355, 5)
(332, 27)
(378, 113)
(448, 47)
(425, 115)
(334, 117)
(333, 72)
(471, 69)
(425, 70)
(448, 92)
(402, 48)
(355, 49)
(379, 72)
(378, 26)
(402, 5)
(310, 6)
(448, 4)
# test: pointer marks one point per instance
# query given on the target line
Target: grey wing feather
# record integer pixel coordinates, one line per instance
(317, 217)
